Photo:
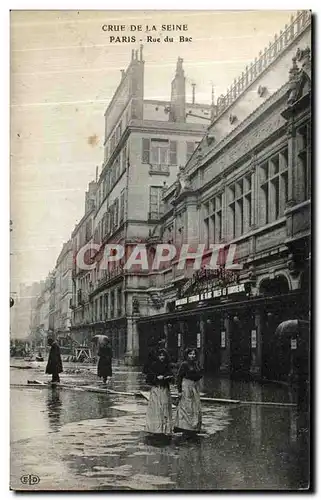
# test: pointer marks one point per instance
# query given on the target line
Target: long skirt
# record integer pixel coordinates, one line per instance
(189, 415)
(159, 411)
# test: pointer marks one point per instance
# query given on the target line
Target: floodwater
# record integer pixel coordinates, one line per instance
(76, 440)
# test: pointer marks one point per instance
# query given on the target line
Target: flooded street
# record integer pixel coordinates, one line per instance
(75, 439)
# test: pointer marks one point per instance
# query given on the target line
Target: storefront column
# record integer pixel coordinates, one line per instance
(132, 350)
(166, 334)
(181, 341)
(256, 346)
(225, 366)
(201, 340)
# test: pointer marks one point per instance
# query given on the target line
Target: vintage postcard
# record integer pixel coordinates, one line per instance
(160, 250)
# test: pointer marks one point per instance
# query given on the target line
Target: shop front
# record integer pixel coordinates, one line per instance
(233, 331)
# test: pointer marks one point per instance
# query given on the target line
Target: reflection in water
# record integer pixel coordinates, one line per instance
(256, 414)
(243, 446)
(54, 406)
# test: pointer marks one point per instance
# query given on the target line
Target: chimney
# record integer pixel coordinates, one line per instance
(178, 100)
(122, 72)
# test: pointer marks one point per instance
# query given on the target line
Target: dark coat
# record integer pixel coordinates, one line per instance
(156, 368)
(104, 364)
(191, 371)
(54, 364)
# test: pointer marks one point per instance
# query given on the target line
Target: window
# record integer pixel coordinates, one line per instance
(122, 206)
(156, 206)
(274, 187)
(112, 304)
(145, 151)
(303, 155)
(101, 308)
(106, 306)
(124, 159)
(116, 213)
(117, 168)
(159, 151)
(119, 301)
(239, 196)
(213, 220)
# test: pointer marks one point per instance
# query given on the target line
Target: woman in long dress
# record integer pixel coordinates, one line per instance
(104, 369)
(159, 410)
(189, 415)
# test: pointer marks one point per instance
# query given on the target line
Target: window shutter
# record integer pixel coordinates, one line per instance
(173, 152)
(116, 212)
(145, 150)
(122, 206)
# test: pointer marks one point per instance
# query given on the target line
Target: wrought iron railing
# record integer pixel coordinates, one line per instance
(266, 57)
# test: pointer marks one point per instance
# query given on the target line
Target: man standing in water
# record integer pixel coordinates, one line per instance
(54, 365)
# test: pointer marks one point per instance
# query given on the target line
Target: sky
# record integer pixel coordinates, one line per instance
(63, 73)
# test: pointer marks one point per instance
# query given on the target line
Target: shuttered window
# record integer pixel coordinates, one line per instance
(173, 152)
(145, 150)
(156, 206)
(122, 206)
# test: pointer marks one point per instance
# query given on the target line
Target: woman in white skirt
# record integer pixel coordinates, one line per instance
(159, 410)
(189, 415)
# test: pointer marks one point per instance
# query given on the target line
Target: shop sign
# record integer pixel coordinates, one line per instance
(294, 344)
(223, 339)
(198, 341)
(253, 339)
(205, 279)
(211, 294)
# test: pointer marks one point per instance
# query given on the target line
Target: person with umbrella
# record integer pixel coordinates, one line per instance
(104, 369)
(54, 364)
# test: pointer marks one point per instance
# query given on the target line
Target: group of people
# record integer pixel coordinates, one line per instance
(159, 375)
(104, 368)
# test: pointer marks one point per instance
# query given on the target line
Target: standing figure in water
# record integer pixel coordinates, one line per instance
(159, 410)
(104, 369)
(189, 415)
(54, 365)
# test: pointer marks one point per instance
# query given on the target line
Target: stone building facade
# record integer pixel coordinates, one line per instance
(247, 184)
(146, 141)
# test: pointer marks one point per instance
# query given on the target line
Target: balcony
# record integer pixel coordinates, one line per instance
(158, 169)
(110, 276)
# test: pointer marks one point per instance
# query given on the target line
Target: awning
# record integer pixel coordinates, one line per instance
(266, 301)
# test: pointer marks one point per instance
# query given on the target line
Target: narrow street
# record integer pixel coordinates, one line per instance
(74, 439)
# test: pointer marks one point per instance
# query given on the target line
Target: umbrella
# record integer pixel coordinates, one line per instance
(291, 327)
(100, 339)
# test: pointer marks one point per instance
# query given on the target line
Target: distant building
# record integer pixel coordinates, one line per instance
(81, 319)
(63, 295)
(21, 312)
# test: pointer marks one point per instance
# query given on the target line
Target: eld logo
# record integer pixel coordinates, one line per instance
(30, 479)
